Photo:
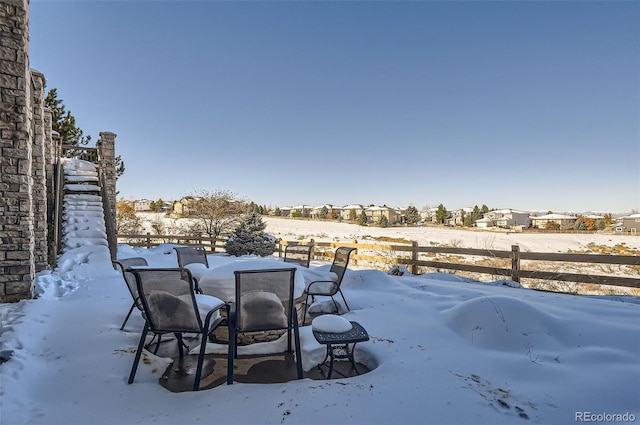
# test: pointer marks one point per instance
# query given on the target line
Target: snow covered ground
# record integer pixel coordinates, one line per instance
(443, 349)
(327, 231)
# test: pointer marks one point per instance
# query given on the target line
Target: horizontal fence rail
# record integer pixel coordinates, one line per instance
(508, 264)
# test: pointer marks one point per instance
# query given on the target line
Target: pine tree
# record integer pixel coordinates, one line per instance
(64, 123)
(412, 215)
(249, 238)
(324, 212)
(362, 220)
(441, 214)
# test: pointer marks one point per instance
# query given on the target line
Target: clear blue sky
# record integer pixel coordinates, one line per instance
(526, 105)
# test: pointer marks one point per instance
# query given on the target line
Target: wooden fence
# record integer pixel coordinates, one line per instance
(417, 259)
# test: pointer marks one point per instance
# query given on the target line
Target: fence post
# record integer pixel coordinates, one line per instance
(414, 257)
(148, 240)
(515, 263)
(355, 262)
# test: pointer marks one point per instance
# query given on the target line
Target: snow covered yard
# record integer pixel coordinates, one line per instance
(443, 350)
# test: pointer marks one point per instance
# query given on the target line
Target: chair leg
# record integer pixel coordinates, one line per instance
(158, 344)
(231, 354)
(181, 344)
(335, 304)
(296, 333)
(306, 307)
(203, 348)
(128, 315)
(344, 299)
(136, 360)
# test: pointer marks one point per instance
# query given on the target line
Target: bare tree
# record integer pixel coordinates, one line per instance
(127, 222)
(215, 213)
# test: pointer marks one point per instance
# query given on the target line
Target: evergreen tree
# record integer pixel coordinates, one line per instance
(412, 215)
(324, 212)
(441, 214)
(278, 212)
(383, 221)
(352, 214)
(249, 238)
(362, 220)
(64, 123)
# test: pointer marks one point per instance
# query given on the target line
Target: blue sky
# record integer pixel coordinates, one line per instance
(526, 105)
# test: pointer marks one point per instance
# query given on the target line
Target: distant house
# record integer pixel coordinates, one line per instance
(505, 218)
(345, 212)
(484, 223)
(297, 211)
(326, 211)
(181, 207)
(564, 221)
(429, 214)
(375, 214)
(456, 217)
(631, 224)
(141, 205)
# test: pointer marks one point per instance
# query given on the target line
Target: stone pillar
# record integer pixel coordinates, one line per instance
(17, 263)
(39, 190)
(50, 158)
(106, 146)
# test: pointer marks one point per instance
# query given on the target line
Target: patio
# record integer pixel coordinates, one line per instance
(261, 369)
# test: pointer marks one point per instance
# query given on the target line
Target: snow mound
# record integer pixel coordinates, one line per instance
(503, 324)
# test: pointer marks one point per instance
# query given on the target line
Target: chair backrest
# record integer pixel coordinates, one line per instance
(341, 261)
(264, 299)
(168, 300)
(129, 278)
(300, 254)
(191, 254)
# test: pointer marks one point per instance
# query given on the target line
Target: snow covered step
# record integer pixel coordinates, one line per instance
(80, 178)
(83, 197)
(85, 233)
(81, 188)
(72, 243)
(69, 208)
(97, 214)
(78, 166)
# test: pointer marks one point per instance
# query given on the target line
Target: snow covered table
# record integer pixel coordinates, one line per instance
(331, 333)
(221, 282)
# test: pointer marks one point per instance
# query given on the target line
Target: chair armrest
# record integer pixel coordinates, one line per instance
(219, 319)
(317, 283)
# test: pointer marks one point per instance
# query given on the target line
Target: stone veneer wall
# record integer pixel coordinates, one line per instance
(106, 146)
(17, 235)
(28, 158)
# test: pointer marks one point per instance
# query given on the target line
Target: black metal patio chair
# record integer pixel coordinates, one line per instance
(170, 306)
(130, 280)
(329, 288)
(196, 254)
(191, 254)
(299, 254)
(264, 302)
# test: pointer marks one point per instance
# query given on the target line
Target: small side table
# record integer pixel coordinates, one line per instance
(338, 345)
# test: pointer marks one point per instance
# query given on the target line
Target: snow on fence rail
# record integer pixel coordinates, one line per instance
(621, 270)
